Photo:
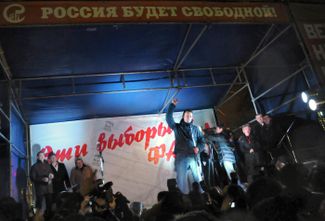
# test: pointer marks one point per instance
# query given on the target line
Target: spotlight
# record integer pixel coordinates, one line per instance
(304, 97)
(313, 105)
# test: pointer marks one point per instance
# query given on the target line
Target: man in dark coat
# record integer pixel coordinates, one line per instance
(189, 143)
(251, 149)
(41, 175)
(259, 136)
(61, 179)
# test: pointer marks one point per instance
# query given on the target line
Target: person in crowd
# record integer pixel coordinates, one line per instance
(259, 133)
(83, 176)
(269, 137)
(61, 179)
(261, 189)
(153, 212)
(225, 150)
(196, 197)
(251, 150)
(41, 175)
(189, 143)
(208, 160)
(257, 129)
(10, 210)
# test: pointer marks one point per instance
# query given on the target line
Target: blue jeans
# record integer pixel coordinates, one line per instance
(185, 166)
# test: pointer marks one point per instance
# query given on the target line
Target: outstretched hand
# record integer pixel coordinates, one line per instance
(175, 101)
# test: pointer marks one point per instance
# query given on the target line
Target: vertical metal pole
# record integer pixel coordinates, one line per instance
(28, 157)
(250, 90)
(9, 137)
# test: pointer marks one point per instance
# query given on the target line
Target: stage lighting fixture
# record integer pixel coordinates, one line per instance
(307, 95)
(314, 105)
(304, 97)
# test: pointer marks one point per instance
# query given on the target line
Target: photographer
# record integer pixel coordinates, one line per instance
(101, 202)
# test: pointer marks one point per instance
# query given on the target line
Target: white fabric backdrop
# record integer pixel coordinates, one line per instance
(137, 149)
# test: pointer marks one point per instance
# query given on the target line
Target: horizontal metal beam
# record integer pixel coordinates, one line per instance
(281, 82)
(103, 74)
(126, 91)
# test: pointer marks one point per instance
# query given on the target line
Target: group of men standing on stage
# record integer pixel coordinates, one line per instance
(50, 178)
(199, 153)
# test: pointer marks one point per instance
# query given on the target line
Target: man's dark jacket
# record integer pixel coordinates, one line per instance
(39, 171)
(60, 177)
(183, 134)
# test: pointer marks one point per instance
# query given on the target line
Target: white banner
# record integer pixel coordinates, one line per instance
(137, 150)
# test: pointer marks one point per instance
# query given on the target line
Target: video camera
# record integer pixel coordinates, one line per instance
(102, 190)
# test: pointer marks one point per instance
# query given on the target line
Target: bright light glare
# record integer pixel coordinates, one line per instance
(304, 97)
(312, 104)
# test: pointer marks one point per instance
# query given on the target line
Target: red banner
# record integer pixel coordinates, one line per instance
(48, 13)
(311, 24)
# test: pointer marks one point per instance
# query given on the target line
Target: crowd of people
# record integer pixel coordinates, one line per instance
(218, 177)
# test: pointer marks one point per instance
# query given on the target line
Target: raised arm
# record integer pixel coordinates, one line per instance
(169, 115)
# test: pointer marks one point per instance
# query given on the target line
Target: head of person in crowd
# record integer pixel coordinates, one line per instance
(161, 195)
(41, 156)
(10, 210)
(281, 207)
(321, 210)
(52, 158)
(261, 189)
(267, 119)
(259, 119)
(69, 202)
(172, 185)
(172, 203)
(219, 128)
(196, 215)
(246, 129)
(188, 116)
(79, 163)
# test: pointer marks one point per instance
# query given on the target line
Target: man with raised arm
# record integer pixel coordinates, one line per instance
(189, 143)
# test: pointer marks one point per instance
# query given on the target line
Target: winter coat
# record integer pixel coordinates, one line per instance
(187, 135)
(225, 152)
(39, 171)
(61, 178)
